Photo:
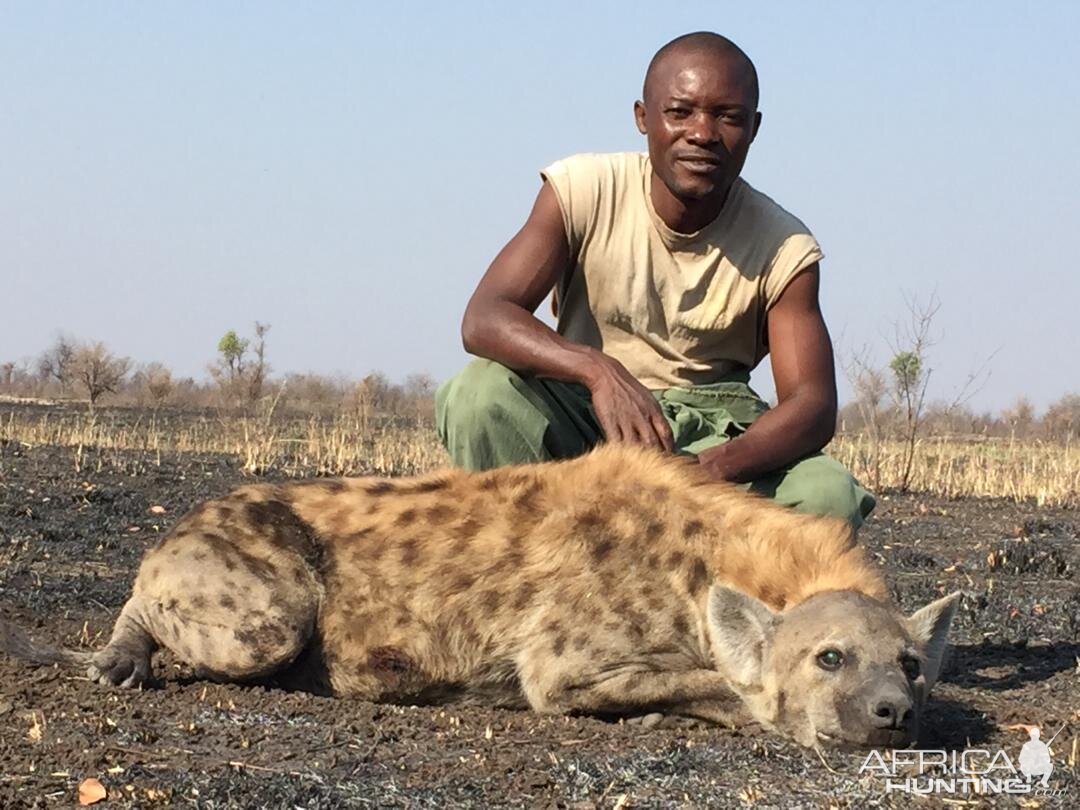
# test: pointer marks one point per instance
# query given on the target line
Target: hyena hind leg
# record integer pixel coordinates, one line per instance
(125, 661)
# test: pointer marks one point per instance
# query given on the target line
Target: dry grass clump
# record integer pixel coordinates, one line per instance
(343, 445)
(1046, 473)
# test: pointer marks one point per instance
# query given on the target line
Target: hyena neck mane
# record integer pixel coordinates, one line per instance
(749, 542)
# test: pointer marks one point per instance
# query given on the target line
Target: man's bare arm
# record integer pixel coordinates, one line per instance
(804, 419)
(499, 324)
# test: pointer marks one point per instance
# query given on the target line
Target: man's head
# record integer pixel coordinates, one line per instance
(699, 113)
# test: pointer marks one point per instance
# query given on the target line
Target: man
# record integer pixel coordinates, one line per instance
(673, 278)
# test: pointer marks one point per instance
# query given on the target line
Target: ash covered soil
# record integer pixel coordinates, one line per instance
(73, 527)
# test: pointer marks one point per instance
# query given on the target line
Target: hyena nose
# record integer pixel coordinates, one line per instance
(893, 713)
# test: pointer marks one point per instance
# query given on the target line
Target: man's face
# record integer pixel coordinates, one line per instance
(700, 117)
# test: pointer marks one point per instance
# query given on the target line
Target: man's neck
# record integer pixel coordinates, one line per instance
(685, 216)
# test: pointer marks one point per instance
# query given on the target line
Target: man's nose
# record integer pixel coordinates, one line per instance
(702, 129)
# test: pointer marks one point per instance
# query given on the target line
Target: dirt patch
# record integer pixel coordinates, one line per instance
(70, 541)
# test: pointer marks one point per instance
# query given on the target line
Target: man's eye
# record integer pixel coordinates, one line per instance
(678, 112)
(735, 119)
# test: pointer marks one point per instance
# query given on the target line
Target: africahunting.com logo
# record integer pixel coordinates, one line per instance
(971, 771)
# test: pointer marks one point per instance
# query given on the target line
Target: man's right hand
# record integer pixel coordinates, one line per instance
(625, 409)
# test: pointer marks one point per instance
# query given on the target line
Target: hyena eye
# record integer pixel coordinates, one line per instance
(830, 659)
(911, 667)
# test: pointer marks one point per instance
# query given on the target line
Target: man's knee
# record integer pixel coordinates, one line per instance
(834, 492)
(820, 485)
(485, 418)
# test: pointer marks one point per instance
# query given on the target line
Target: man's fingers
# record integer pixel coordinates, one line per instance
(663, 431)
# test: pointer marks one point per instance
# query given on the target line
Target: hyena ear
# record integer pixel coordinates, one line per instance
(740, 628)
(930, 627)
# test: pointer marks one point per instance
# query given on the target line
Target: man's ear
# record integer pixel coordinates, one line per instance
(930, 628)
(741, 629)
(757, 126)
(639, 117)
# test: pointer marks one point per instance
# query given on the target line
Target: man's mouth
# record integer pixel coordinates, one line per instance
(699, 165)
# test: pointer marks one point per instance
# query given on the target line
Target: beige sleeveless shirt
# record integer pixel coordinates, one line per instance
(675, 309)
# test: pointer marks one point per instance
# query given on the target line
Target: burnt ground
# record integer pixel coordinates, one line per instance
(70, 542)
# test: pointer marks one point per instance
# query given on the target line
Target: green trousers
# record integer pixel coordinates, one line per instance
(489, 416)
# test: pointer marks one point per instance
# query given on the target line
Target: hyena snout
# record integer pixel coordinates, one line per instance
(892, 710)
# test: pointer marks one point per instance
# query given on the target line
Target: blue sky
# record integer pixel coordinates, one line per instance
(346, 171)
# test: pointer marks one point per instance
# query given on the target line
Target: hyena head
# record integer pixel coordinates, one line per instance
(839, 668)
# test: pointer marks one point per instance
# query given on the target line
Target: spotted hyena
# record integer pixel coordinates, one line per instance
(620, 583)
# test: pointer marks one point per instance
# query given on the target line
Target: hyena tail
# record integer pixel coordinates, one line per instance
(125, 661)
(15, 642)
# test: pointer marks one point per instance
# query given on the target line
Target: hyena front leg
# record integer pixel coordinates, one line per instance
(701, 693)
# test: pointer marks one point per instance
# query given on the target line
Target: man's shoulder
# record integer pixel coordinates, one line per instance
(767, 213)
(615, 165)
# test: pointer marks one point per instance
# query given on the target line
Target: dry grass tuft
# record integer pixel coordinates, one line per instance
(1044, 473)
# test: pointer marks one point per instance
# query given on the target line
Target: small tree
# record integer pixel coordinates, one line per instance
(256, 376)
(156, 383)
(1019, 417)
(56, 362)
(232, 349)
(1062, 419)
(870, 387)
(97, 371)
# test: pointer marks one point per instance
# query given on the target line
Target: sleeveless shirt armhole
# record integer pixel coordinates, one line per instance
(562, 198)
(775, 286)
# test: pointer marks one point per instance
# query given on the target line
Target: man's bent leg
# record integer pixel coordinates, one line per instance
(489, 416)
(820, 485)
(705, 416)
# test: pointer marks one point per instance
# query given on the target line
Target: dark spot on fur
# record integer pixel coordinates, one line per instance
(410, 552)
(154, 573)
(581, 641)
(198, 602)
(653, 531)
(600, 549)
(459, 546)
(675, 558)
(523, 596)
(333, 486)
(681, 625)
(440, 513)
(430, 485)
(488, 482)
(175, 552)
(693, 528)
(652, 560)
(525, 501)
(558, 645)
(591, 519)
(380, 487)
(697, 577)
(462, 582)
(491, 601)
(405, 518)
(199, 556)
(227, 601)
